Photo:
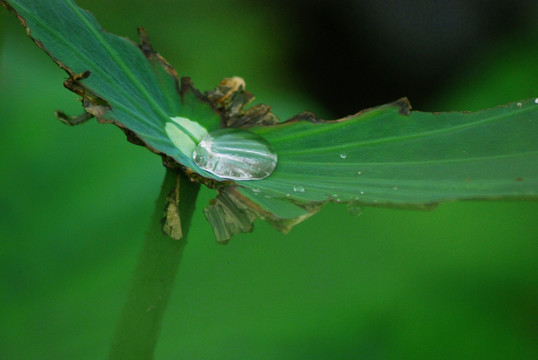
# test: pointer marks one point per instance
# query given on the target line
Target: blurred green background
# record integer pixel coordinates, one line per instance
(460, 282)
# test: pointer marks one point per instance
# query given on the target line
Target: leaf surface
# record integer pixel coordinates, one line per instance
(122, 82)
(390, 156)
(383, 156)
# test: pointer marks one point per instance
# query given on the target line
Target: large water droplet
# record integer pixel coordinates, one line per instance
(235, 154)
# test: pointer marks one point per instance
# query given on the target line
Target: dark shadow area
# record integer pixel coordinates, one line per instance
(357, 54)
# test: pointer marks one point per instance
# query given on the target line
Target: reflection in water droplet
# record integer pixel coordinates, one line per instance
(519, 104)
(235, 154)
(343, 155)
(298, 188)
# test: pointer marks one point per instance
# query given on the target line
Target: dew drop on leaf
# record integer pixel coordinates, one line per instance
(335, 198)
(235, 154)
(354, 210)
(298, 188)
(343, 155)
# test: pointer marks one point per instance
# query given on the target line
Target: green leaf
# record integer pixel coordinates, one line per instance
(384, 156)
(390, 156)
(121, 82)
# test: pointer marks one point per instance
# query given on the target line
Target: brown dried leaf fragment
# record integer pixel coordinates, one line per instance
(231, 98)
(171, 222)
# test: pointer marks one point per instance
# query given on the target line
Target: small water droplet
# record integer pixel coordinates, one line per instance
(359, 172)
(235, 154)
(354, 210)
(335, 198)
(536, 101)
(256, 190)
(288, 195)
(519, 104)
(362, 192)
(343, 155)
(298, 188)
(394, 188)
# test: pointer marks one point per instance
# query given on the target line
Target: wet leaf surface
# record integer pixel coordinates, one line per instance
(384, 156)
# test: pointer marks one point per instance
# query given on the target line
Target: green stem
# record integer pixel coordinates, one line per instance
(141, 319)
